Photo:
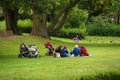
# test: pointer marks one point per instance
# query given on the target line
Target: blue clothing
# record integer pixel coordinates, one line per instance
(64, 53)
(76, 52)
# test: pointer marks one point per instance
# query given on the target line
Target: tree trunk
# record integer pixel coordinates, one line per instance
(118, 17)
(11, 17)
(6, 12)
(39, 26)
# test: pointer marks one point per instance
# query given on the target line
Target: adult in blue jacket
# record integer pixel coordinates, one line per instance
(76, 51)
(64, 52)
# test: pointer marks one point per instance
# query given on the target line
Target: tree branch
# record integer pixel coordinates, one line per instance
(55, 20)
(53, 31)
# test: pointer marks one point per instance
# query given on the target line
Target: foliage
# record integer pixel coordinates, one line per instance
(1, 14)
(25, 26)
(25, 13)
(115, 5)
(2, 25)
(97, 7)
(76, 18)
(103, 26)
(105, 63)
(71, 32)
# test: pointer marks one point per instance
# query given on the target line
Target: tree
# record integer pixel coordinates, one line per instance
(10, 12)
(115, 8)
(95, 7)
(40, 9)
(39, 22)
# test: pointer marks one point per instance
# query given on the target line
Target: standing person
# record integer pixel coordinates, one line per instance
(50, 48)
(76, 51)
(64, 52)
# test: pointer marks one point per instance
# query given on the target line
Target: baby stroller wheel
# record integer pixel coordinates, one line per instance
(20, 56)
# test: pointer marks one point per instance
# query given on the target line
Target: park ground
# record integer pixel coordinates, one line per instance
(104, 65)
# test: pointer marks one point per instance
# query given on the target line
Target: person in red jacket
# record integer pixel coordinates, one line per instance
(84, 52)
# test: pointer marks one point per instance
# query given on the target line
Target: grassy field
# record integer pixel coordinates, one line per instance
(105, 65)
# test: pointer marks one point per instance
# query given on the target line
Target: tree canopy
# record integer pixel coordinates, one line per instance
(55, 12)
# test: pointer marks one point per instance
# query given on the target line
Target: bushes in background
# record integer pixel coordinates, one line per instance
(95, 30)
(25, 26)
(70, 32)
(102, 26)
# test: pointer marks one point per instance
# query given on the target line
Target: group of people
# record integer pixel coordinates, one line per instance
(63, 51)
(31, 51)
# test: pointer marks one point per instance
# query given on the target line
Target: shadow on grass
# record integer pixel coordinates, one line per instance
(102, 76)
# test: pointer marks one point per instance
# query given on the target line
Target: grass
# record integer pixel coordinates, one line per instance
(2, 25)
(105, 63)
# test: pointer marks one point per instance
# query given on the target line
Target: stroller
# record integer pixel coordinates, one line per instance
(50, 49)
(29, 51)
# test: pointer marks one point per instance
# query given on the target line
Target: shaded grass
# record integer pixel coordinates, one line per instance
(105, 63)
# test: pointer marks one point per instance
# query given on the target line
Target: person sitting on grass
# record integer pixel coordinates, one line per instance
(50, 48)
(58, 51)
(76, 51)
(84, 52)
(64, 52)
(23, 51)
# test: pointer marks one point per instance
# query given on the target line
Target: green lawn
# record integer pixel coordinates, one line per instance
(105, 65)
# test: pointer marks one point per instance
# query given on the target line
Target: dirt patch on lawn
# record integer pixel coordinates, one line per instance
(12, 37)
(8, 34)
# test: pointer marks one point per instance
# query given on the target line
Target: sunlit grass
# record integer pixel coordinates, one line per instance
(2, 25)
(106, 59)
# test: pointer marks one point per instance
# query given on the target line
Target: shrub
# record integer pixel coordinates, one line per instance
(70, 32)
(2, 25)
(102, 26)
(95, 30)
(25, 26)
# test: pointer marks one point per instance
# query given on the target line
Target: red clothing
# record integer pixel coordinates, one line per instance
(84, 52)
(48, 44)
